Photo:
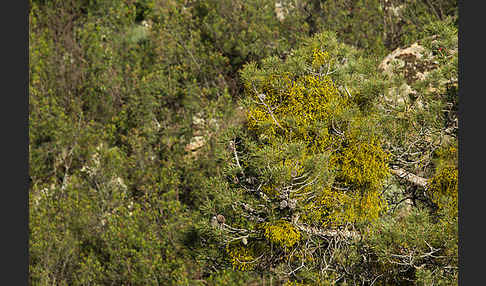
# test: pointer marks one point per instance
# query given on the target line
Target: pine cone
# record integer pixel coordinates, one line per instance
(221, 219)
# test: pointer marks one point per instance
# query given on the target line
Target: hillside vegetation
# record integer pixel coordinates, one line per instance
(232, 142)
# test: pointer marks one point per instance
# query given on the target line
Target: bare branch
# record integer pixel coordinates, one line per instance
(233, 146)
(412, 178)
(261, 97)
(327, 232)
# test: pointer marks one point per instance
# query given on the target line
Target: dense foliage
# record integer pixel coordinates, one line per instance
(237, 142)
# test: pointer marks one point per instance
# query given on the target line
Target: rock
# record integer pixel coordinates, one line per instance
(119, 183)
(413, 63)
(147, 24)
(280, 11)
(198, 120)
(213, 123)
(195, 143)
(395, 11)
(198, 124)
(202, 129)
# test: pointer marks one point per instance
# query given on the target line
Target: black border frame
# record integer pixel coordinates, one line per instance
(15, 143)
(470, 237)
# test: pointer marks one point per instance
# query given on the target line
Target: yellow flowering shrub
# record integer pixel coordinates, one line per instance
(306, 107)
(443, 189)
(242, 258)
(288, 106)
(362, 164)
(282, 233)
(334, 208)
(443, 186)
(320, 58)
